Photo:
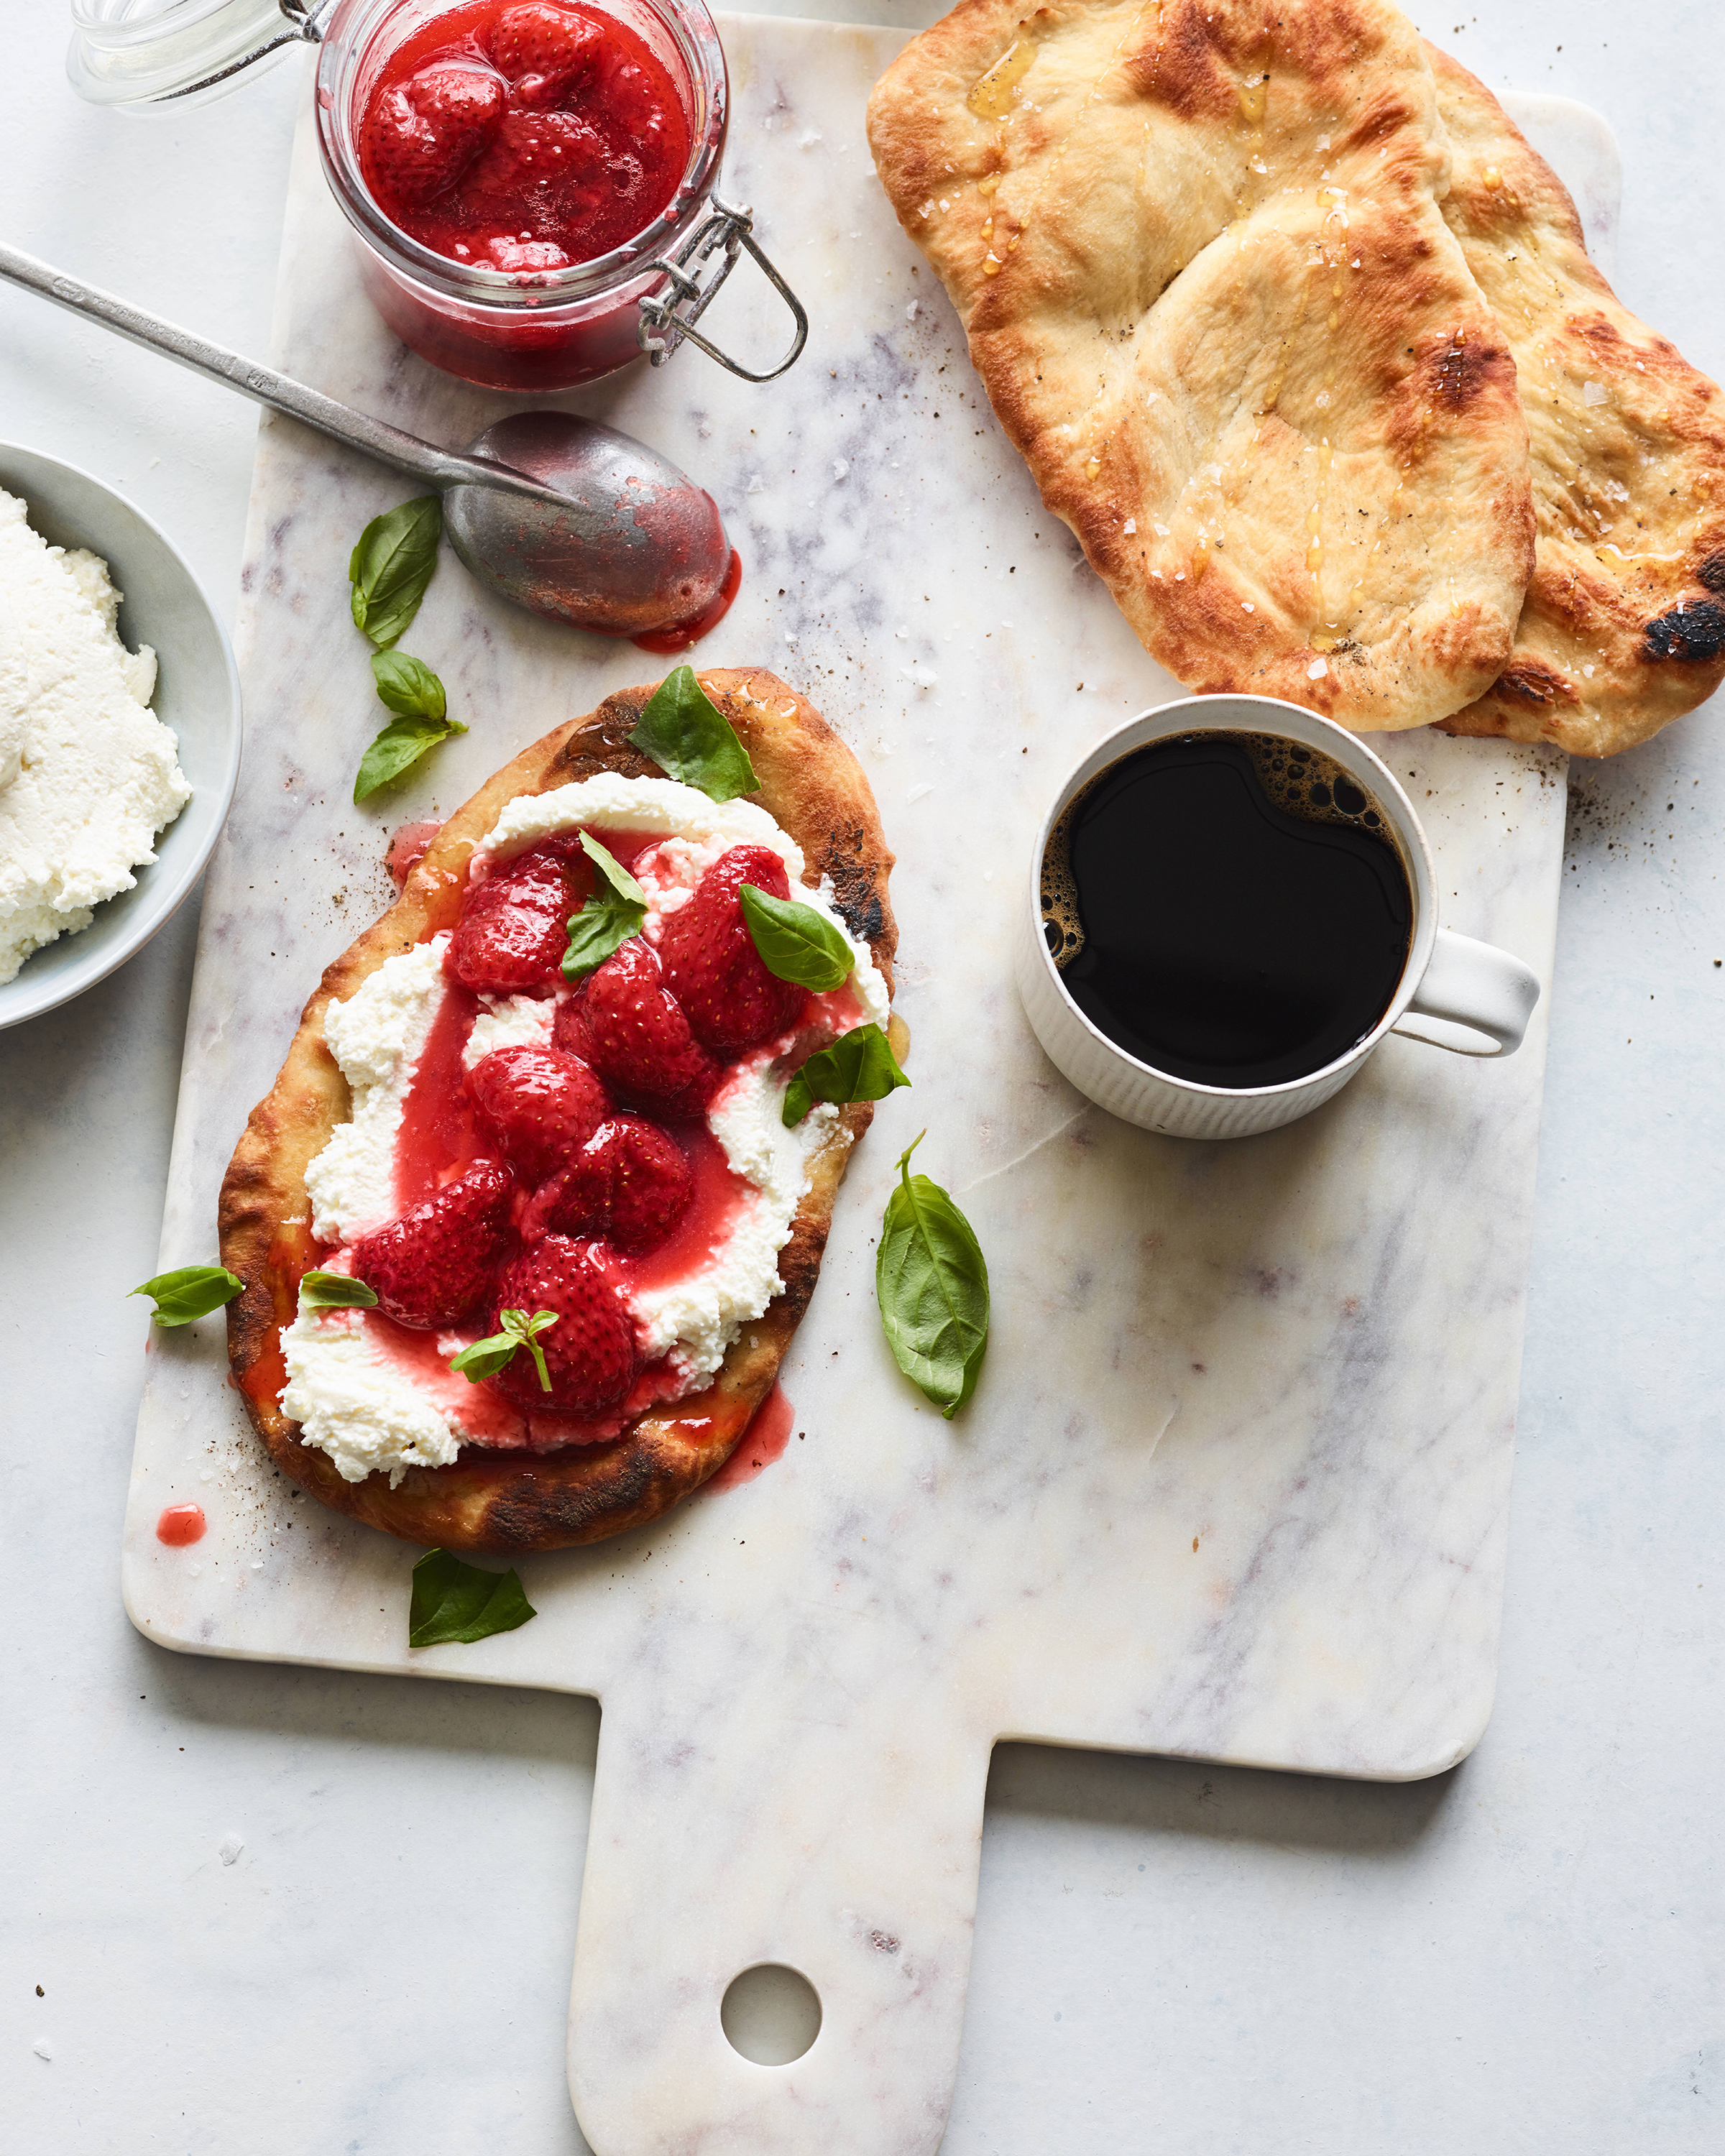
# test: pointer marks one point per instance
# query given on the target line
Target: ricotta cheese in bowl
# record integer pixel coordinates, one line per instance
(88, 776)
(377, 1399)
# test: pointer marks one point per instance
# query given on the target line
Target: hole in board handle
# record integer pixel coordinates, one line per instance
(770, 2013)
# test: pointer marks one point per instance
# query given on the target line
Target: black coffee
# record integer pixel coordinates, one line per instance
(1227, 907)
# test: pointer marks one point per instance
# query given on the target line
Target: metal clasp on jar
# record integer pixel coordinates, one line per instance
(663, 326)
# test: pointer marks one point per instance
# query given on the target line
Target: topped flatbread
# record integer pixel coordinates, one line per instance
(1198, 251)
(534, 1480)
(1624, 627)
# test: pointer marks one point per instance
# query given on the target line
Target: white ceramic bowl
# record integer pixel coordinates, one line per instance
(197, 694)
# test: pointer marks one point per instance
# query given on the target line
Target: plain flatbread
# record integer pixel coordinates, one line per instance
(1624, 627)
(1199, 254)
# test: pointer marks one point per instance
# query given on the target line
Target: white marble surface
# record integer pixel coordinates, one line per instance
(1541, 1939)
(1234, 1482)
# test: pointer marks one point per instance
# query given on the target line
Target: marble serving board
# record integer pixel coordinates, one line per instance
(1235, 1482)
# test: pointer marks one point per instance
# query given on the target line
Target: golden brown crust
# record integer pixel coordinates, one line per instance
(1198, 251)
(1623, 626)
(517, 1501)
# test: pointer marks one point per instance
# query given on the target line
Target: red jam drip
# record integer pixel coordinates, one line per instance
(682, 634)
(761, 1444)
(720, 1195)
(406, 850)
(562, 132)
(439, 1132)
(180, 1525)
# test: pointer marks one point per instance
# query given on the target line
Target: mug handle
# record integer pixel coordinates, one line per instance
(1475, 985)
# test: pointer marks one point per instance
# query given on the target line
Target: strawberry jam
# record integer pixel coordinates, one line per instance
(524, 137)
(567, 1163)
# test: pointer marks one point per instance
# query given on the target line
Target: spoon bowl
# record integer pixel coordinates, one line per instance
(639, 548)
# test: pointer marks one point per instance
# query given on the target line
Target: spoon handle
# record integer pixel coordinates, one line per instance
(372, 438)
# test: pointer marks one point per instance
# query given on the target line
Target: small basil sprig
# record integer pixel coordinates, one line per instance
(932, 1285)
(391, 566)
(613, 914)
(485, 1359)
(859, 1065)
(796, 943)
(455, 1602)
(407, 686)
(335, 1291)
(188, 1292)
(687, 734)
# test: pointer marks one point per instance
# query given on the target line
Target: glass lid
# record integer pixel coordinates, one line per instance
(139, 54)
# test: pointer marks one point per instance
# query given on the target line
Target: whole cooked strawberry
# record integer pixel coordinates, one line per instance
(538, 168)
(651, 1183)
(420, 137)
(626, 1023)
(711, 961)
(629, 1183)
(436, 1261)
(575, 1201)
(515, 924)
(545, 51)
(540, 1106)
(589, 1351)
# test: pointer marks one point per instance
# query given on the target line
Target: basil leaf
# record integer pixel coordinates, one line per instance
(932, 1285)
(687, 734)
(859, 1065)
(409, 686)
(335, 1292)
(601, 927)
(456, 1602)
(617, 878)
(190, 1291)
(397, 748)
(485, 1358)
(391, 566)
(796, 943)
(613, 914)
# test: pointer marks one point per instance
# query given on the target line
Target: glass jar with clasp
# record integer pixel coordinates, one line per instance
(511, 310)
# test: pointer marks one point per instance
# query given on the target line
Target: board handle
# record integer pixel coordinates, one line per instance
(750, 1834)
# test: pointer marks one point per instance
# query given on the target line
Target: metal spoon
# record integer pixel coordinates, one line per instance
(567, 518)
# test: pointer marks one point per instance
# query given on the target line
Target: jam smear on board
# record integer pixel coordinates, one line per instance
(761, 1444)
(180, 1525)
(681, 635)
(524, 138)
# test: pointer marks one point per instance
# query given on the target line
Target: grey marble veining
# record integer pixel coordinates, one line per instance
(1234, 1483)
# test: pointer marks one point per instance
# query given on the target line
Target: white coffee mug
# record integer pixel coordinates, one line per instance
(1454, 992)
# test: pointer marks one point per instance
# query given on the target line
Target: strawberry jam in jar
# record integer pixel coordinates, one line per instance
(518, 173)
